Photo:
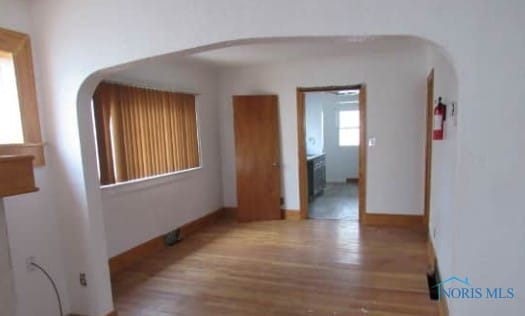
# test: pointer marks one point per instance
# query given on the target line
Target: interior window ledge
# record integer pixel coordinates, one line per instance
(33, 149)
(149, 182)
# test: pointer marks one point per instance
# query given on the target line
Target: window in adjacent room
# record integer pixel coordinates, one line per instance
(19, 121)
(143, 132)
(348, 128)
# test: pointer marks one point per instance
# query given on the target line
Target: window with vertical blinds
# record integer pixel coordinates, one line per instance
(143, 132)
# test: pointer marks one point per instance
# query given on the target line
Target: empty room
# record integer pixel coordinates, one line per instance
(234, 158)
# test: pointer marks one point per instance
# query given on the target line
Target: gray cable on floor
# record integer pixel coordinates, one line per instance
(54, 285)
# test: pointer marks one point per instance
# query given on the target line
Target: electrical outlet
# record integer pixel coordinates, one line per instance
(29, 263)
(83, 279)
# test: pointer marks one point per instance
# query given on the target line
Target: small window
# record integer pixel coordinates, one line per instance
(19, 121)
(142, 132)
(348, 128)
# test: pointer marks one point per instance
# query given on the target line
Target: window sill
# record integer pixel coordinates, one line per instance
(149, 182)
(19, 168)
(32, 149)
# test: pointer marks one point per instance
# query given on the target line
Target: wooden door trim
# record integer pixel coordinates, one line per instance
(428, 148)
(301, 147)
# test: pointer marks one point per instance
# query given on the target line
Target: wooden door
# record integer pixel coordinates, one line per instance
(257, 156)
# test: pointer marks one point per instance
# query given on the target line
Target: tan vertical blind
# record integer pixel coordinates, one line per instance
(143, 132)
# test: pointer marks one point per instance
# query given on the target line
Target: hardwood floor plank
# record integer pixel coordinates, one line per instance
(282, 268)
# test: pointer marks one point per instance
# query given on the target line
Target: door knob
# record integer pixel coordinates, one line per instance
(275, 164)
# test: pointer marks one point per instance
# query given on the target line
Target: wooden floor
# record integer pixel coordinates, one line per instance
(309, 267)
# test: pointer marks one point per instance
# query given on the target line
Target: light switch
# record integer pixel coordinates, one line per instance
(371, 142)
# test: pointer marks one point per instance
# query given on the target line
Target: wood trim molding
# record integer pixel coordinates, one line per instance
(35, 150)
(19, 45)
(363, 148)
(301, 154)
(428, 146)
(291, 214)
(230, 212)
(201, 222)
(442, 304)
(135, 254)
(330, 88)
(431, 256)
(301, 146)
(16, 175)
(412, 221)
(112, 313)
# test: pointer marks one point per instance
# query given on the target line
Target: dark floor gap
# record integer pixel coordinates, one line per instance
(433, 279)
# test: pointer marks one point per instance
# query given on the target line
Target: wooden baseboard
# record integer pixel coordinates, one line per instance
(352, 180)
(135, 254)
(431, 255)
(412, 221)
(112, 313)
(198, 224)
(443, 306)
(230, 212)
(433, 267)
(291, 214)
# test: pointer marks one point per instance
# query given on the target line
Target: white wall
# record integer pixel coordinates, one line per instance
(32, 218)
(481, 38)
(7, 287)
(313, 108)
(444, 160)
(137, 212)
(395, 78)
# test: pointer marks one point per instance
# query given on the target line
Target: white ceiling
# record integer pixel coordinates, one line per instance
(293, 49)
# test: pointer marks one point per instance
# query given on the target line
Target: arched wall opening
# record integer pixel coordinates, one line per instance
(339, 60)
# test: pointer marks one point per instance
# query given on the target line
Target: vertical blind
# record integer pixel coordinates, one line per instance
(143, 132)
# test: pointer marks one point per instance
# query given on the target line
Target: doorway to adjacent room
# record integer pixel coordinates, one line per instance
(331, 152)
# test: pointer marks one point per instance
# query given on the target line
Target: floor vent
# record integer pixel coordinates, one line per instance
(172, 237)
(432, 280)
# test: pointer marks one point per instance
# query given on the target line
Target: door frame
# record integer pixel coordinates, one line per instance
(301, 146)
(428, 148)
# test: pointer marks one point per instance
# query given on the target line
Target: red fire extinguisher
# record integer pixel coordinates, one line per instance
(440, 114)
